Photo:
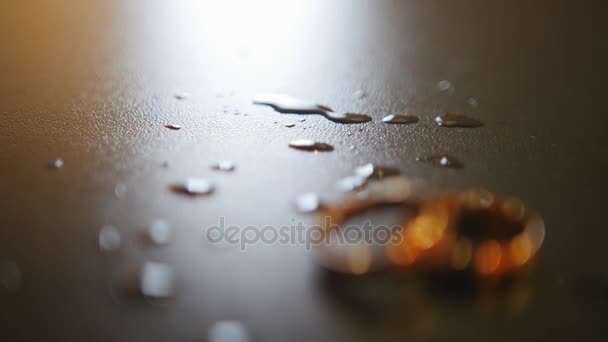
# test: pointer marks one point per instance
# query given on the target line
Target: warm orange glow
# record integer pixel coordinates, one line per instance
(488, 257)
(400, 255)
(426, 230)
(462, 252)
(520, 249)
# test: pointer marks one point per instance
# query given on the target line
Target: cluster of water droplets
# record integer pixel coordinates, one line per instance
(158, 280)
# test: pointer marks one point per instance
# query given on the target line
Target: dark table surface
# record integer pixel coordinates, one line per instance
(93, 82)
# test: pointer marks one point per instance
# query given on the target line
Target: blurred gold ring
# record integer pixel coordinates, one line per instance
(439, 236)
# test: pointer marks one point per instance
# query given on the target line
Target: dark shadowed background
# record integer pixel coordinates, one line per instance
(93, 82)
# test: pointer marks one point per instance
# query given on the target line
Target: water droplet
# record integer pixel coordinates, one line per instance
(457, 120)
(224, 165)
(445, 86)
(288, 104)
(472, 102)
(302, 120)
(159, 232)
(441, 161)
(393, 189)
(308, 202)
(109, 239)
(347, 117)
(56, 164)
(10, 276)
(173, 127)
(182, 96)
(156, 280)
(194, 187)
(359, 94)
(370, 170)
(351, 183)
(120, 190)
(289, 124)
(348, 134)
(351, 147)
(228, 331)
(310, 145)
(400, 119)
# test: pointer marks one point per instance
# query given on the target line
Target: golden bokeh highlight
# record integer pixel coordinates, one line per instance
(488, 257)
(520, 249)
(462, 253)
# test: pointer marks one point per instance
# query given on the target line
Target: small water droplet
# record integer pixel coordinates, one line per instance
(302, 120)
(173, 127)
(351, 183)
(359, 94)
(370, 170)
(159, 232)
(156, 280)
(109, 239)
(289, 124)
(56, 164)
(347, 117)
(457, 120)
(10, 276)
(348, 134)
(224, 165)
(445, 86)
(182, 96)
(194, 187)
(441, 161)
(120, 190)
(351, 147)
(288, 104)
(472, 102)
(310, 145)
(228, 331)
(308, 202)
(400, 119)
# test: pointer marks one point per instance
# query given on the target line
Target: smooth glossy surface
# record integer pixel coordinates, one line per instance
(93, 82)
